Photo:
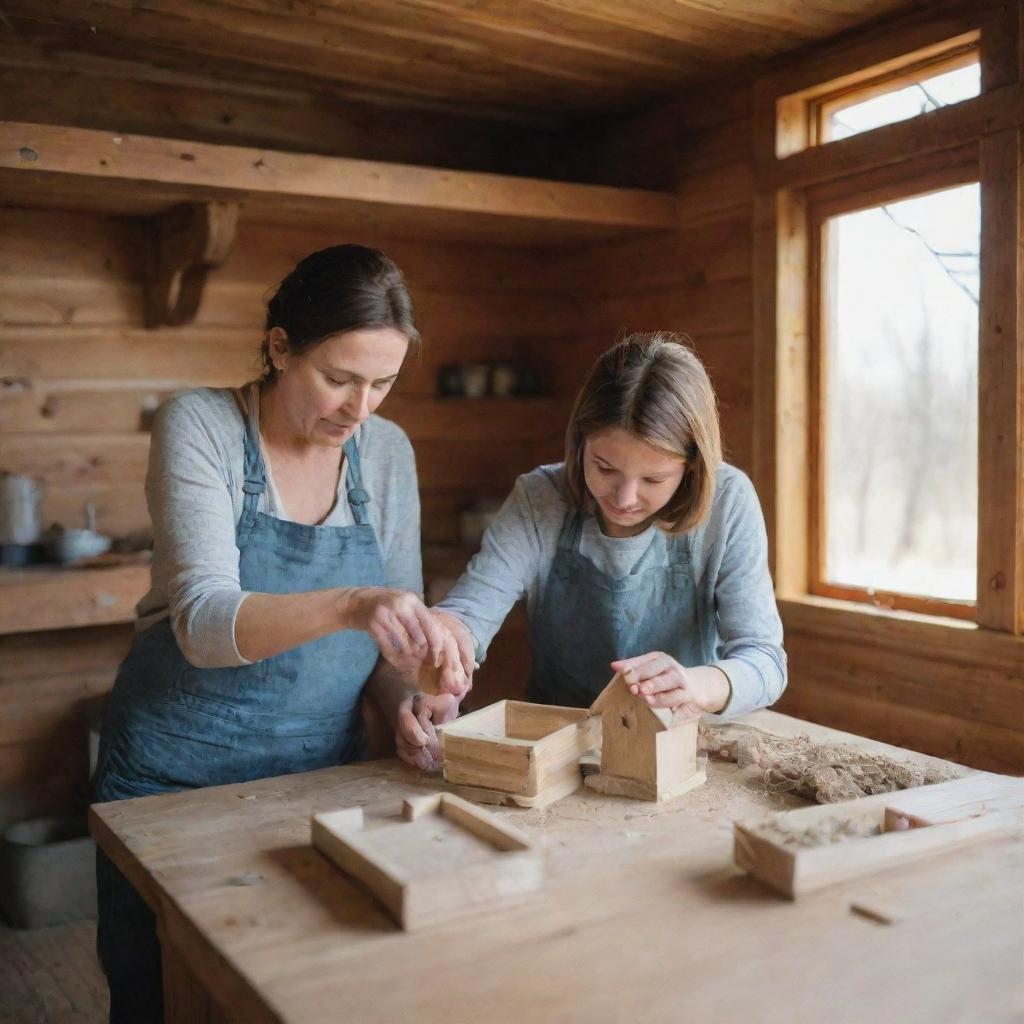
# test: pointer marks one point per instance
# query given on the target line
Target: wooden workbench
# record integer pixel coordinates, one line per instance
(643, 917)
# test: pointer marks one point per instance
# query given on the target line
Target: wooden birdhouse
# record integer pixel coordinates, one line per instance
(642, 755)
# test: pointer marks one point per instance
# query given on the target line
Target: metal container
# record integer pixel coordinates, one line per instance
(47, 872)
(19, 509)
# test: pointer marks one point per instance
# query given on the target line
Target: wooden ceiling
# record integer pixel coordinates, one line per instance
(547, 62)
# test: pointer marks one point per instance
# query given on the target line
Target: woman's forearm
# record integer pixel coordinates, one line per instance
(267, 624)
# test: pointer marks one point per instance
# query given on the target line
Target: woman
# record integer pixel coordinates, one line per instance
(642, 553)
(286, 559)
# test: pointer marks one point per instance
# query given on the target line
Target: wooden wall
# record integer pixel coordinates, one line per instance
(696, 280)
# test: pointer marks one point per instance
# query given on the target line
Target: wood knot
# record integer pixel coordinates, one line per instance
(997, 582)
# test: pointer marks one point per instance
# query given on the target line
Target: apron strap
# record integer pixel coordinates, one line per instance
(572, 529)
(255, 481)
(358, 499)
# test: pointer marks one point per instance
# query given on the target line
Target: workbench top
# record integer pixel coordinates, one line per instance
(643, 916)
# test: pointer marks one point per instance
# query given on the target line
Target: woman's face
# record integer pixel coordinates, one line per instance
(328, 390)
(630, 479)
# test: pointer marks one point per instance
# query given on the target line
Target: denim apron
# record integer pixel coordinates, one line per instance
(587, 619)
(170, 726)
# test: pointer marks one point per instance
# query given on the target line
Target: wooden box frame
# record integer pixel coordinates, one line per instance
(886, 831)
(513, 751)
(445, 889)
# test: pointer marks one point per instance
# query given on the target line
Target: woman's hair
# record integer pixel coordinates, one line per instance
(656, 388)
(343, 288)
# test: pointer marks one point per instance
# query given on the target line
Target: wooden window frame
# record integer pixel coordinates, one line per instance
(959, 53)
(903, 181)
(983, 134)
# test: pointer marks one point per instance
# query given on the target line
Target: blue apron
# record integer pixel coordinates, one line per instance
(170, 726)
(587, 619)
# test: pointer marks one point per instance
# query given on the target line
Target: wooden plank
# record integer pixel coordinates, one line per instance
(884, 46)
(781, 383)
(980, 745)
(63, 653)
(1001, 386)
(32, 600)
(86, 459)
(172, 358)
(52, 409)
(725, 191)
(1002, 45)
(489, 762)
(35, 709)
(236, 172)
(53, 81)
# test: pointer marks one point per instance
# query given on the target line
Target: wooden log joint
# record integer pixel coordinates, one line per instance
(183, 246)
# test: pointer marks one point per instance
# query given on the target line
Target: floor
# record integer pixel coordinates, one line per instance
(51, 976)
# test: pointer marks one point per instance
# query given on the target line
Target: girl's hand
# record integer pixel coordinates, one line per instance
(662, 682)
(415, 734)
(398, 621)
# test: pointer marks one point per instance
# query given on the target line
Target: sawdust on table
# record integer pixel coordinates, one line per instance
(826, 772)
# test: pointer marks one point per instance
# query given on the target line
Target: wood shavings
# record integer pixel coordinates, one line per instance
(825, 772)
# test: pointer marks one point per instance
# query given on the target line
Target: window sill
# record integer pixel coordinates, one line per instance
(908, 637)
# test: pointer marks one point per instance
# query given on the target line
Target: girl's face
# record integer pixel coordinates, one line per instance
(327, 391)
(630, 479)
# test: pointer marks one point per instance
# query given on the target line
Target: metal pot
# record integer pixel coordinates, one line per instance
(20, 498)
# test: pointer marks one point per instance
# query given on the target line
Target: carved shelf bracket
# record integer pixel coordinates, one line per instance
(183, 246)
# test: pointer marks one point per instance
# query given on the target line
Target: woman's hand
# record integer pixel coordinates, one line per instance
(415, 734)
(455, 674)
(661, 681)
(398, 621)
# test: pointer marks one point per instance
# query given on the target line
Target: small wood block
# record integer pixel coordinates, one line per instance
(526, 750)
(800, 851)
(554, 791)
(636, 789)
(436, 858)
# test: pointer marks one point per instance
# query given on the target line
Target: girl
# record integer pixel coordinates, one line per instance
(643, 553)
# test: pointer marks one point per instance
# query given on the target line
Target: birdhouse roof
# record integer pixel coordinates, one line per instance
(617, 693)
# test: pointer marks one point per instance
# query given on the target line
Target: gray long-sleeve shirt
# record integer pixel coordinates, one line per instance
(730, 562)
(194, 494)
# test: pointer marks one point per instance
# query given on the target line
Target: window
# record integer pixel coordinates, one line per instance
(908, 97)
(939, 75)
(897, 352)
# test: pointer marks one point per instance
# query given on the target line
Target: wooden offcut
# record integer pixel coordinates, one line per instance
(439, 858)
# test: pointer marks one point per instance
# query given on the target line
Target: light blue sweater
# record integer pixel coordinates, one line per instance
(729, 557)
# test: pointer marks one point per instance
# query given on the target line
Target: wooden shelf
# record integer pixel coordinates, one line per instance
(57, 167)
(55, 598)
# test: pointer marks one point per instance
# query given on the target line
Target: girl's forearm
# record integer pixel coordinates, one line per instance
(714, 684)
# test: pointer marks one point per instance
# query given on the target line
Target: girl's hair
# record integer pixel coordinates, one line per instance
(343, 288)
(656, 388)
